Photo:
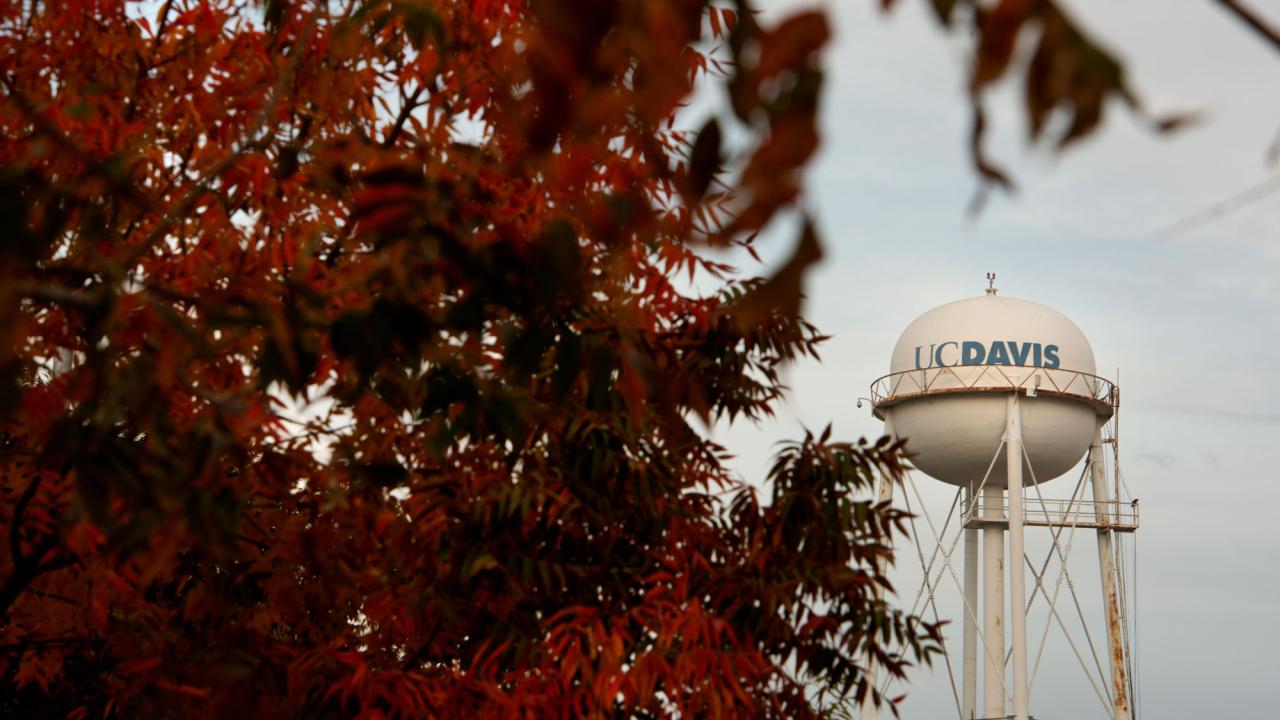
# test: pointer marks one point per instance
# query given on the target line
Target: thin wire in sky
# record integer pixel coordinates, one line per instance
(1219, 210)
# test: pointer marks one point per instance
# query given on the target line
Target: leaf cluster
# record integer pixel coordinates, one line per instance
(1068, 76)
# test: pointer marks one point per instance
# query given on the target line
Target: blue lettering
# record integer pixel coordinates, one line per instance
(972, 353)
(938, 354)
(1019, 352)
(930, 356)
(1051, 360)
(998, 355)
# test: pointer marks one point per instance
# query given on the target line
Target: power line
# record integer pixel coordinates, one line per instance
(1220, 209)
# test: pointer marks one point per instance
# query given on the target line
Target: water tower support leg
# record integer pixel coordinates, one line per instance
(1110, 593)
(1017, 573)
(970, 681)
(993, 602)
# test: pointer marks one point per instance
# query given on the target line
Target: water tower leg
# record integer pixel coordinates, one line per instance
(970, 681)
(1017, 573)
(993, 602)
(884, 494)
(1110, 593)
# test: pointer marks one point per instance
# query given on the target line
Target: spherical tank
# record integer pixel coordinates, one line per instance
(953, 370)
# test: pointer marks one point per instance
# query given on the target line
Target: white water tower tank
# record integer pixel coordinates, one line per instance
(953, 369)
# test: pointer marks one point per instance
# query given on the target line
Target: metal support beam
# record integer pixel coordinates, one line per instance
(884, 494)
(993, 603)
(1110, 591)
(969, 703)
(1017, 573)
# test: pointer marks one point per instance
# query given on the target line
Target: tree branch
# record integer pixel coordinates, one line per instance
(397, 127)
(1253, 20)
(26, 569)
(15, 528)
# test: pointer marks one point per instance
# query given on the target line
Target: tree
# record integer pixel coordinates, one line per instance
(345, 368)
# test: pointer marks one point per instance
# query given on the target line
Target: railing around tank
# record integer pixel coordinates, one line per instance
(1117, 515)
(1033, 381)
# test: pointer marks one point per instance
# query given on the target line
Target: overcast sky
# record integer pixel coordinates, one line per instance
(1190, 323)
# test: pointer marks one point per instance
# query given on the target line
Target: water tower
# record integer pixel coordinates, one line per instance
(997, 396)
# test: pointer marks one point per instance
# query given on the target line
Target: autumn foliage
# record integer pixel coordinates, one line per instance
(348, 367)
(1068, 79)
